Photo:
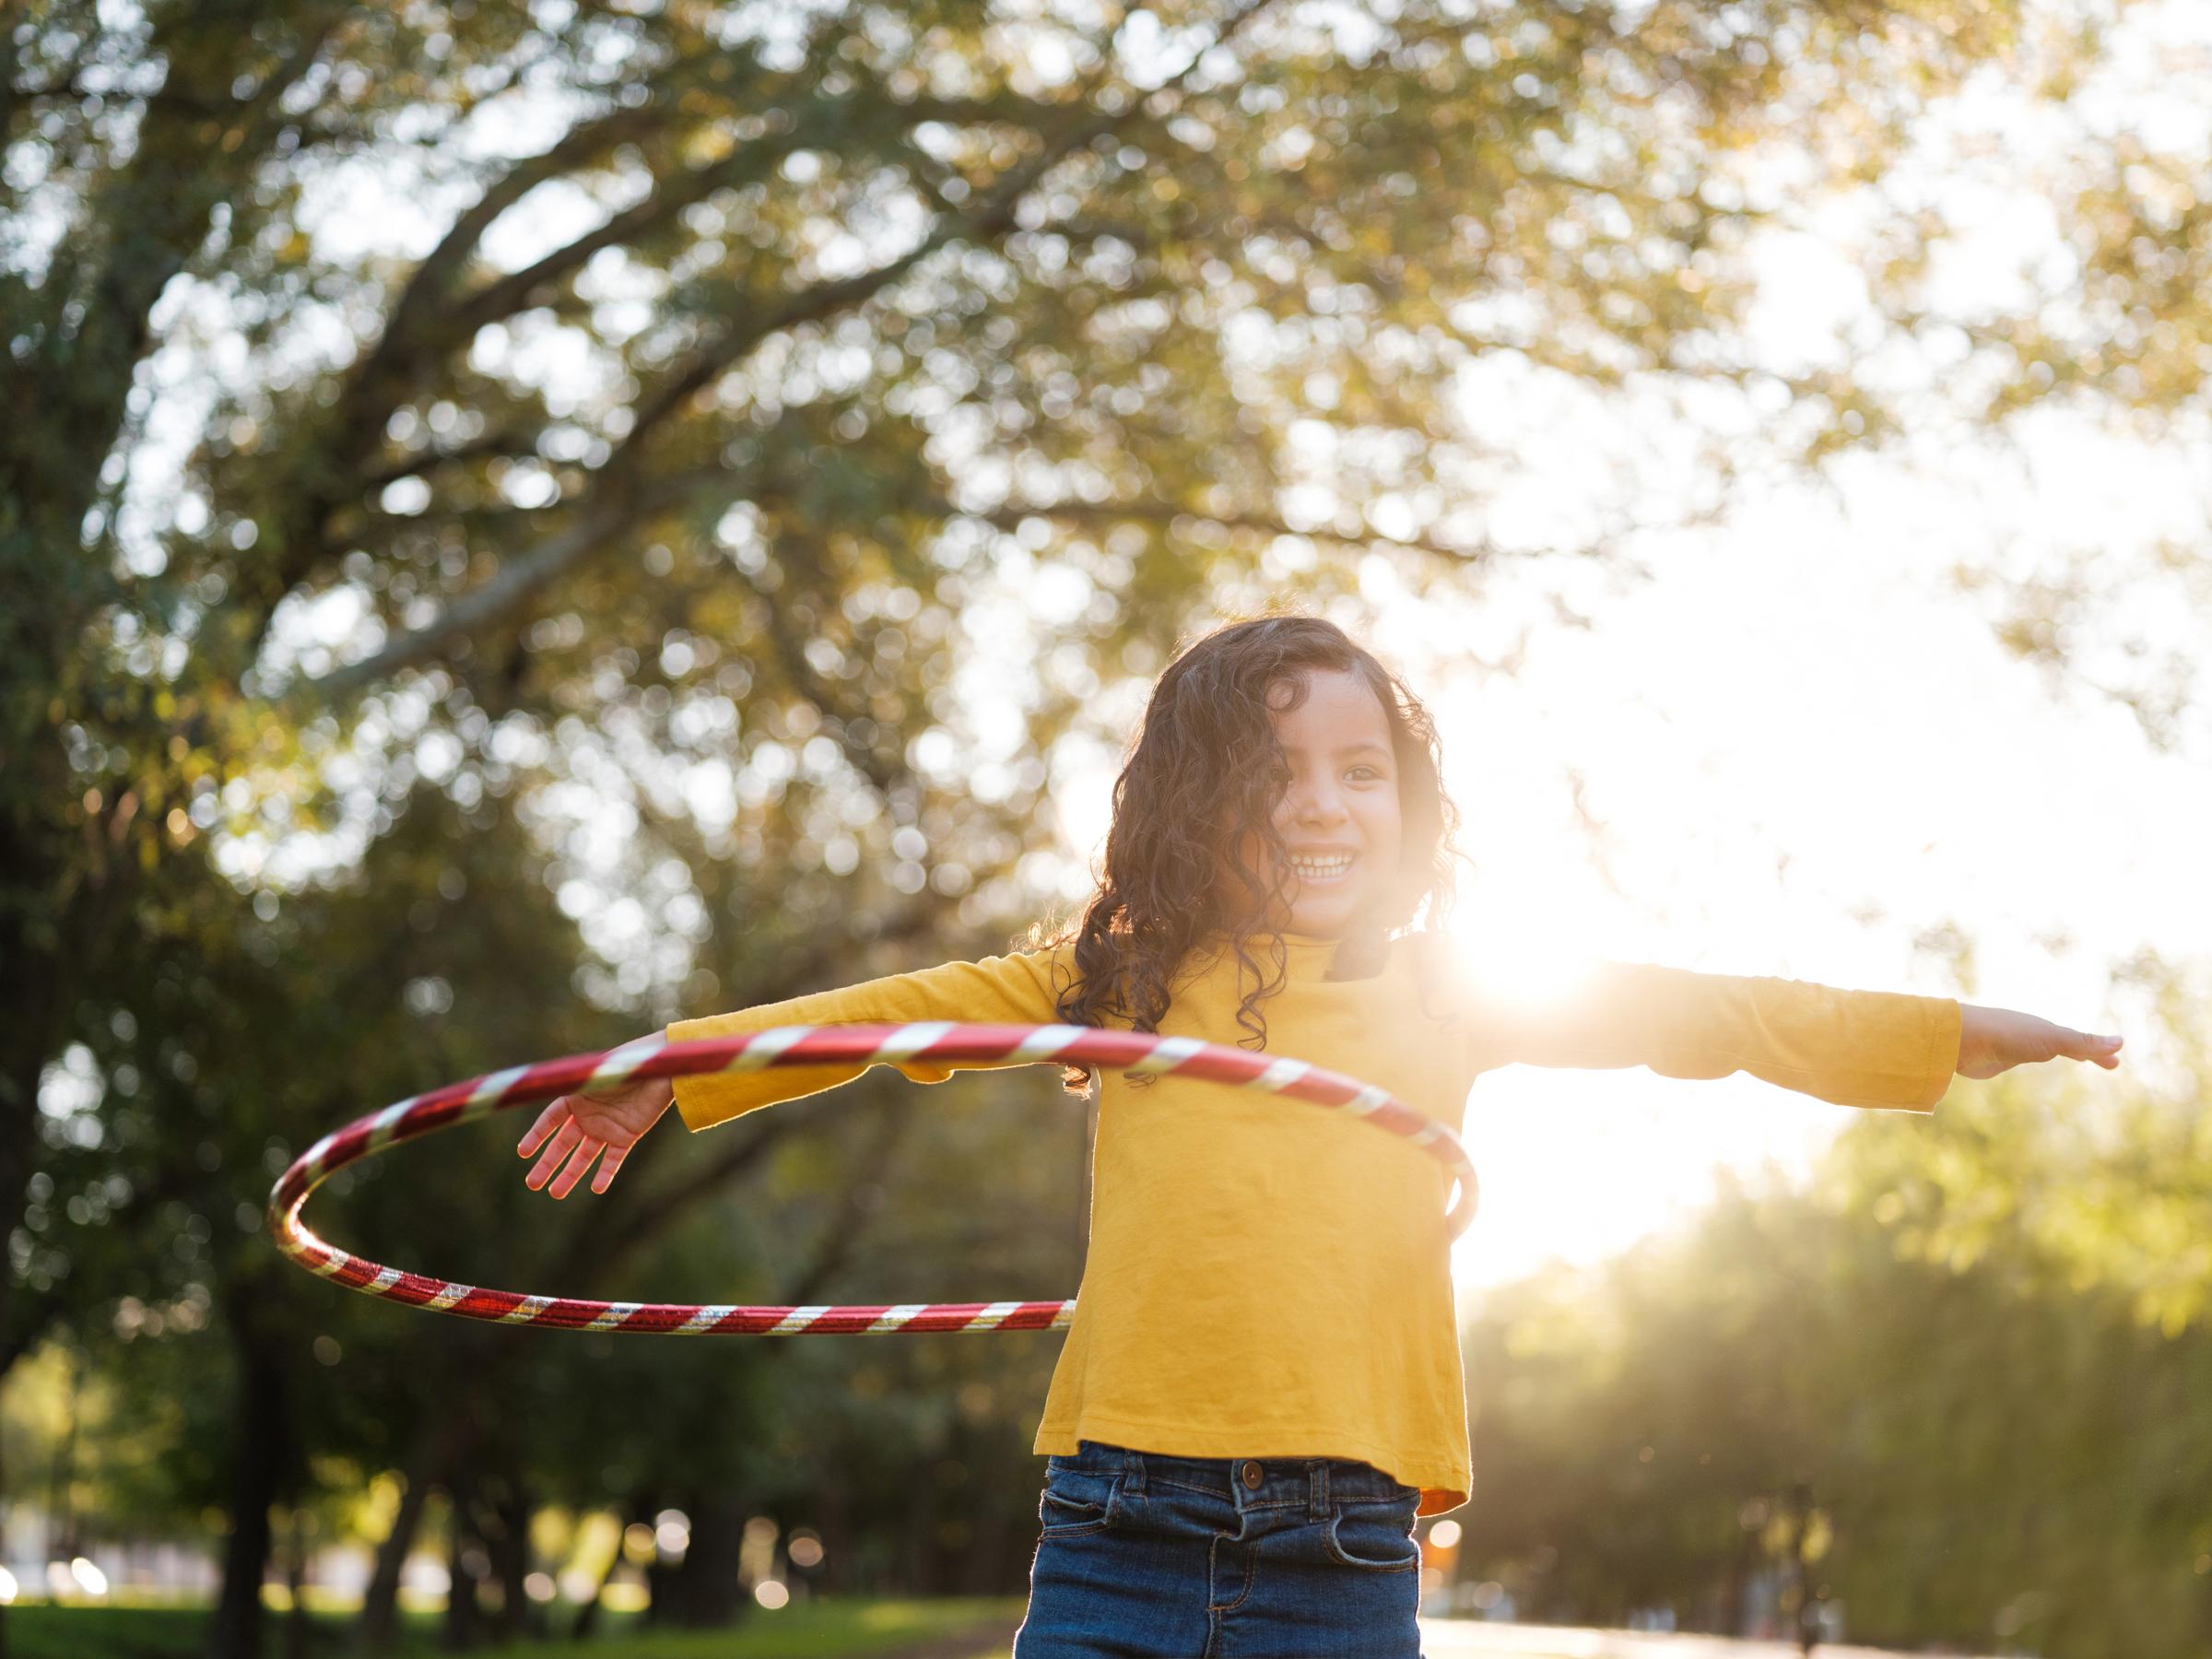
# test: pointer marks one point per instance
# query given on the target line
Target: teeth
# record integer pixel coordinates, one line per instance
(1321, 866)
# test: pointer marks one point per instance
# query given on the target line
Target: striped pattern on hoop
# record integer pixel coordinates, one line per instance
(654, 1056)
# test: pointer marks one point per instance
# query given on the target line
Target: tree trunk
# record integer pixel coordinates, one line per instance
(983, 1565)
(259, 1468)
(462, 1623)
(705, 1591)
(21, 981)
(3, 1545)
(918, 1538)
(510, 1560)
(66, 1544)
(380, 1601)
(835, 1576)
(299, 1635)
(1789, 1597)
(1733, 1588)
(587, 1616)
(438, 1442)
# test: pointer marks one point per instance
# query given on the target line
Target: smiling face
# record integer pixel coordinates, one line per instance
(1339, 812)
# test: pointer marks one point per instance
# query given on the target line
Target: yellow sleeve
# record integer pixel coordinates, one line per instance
(1854, 1048)
(1019, 989)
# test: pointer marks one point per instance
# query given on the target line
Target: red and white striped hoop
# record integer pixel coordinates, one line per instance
(797, 1045)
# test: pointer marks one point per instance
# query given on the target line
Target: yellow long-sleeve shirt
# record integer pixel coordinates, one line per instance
(1268, 1279)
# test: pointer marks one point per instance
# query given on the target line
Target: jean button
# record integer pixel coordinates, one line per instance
(1251, 1474)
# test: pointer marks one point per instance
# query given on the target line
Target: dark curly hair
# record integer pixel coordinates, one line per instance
(1207, 760)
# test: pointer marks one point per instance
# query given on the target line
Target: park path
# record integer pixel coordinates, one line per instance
(1473, 1639)
(988, 1640)
(1467, 1639)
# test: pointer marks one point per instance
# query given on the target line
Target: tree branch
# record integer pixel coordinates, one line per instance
(991, 216)
(506, 441)
(597, 523)
(1008, 517)
(791, 657)
(152, 228)
(422, 308)
(422, 323)
(512, 292)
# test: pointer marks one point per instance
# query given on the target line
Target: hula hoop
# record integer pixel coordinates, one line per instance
(794, 1045)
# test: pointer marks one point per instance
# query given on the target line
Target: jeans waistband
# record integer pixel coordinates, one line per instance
(1249, 1482)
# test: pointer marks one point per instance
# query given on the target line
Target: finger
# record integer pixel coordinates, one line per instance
(550, 1119)
(558, 1148)
(582, 1160)
(564, 1174)
(608, 1165)
(2103, 1051)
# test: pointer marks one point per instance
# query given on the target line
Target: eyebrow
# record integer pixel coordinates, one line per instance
(1358, 748)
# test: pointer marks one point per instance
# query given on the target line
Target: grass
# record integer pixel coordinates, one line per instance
(825, 1628)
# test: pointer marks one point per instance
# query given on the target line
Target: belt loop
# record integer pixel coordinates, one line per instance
(1317, 1491)
(1133, 1472)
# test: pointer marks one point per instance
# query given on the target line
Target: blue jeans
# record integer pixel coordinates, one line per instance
(1221, 1557)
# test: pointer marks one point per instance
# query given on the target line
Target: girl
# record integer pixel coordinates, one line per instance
(1261, 1389)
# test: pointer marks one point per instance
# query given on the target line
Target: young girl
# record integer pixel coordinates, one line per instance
(1261, 1389)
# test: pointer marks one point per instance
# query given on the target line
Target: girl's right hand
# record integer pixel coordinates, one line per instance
(609, 1119)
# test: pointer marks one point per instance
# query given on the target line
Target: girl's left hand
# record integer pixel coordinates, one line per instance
(1996, 1040)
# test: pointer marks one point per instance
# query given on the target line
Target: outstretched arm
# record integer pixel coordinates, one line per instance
(1019, 989)
(1880, 1049)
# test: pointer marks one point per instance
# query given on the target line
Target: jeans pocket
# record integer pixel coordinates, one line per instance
(1075, 1501)
(1376, 1536)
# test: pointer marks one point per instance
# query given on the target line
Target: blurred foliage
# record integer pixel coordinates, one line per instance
(1957, 1337)
(542, 519)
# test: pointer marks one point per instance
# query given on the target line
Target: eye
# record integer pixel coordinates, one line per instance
(1372, 771)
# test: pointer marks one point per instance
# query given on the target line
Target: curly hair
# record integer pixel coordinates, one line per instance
(1206, 760)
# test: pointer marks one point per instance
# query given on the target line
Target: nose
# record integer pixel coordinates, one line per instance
(1318, 803)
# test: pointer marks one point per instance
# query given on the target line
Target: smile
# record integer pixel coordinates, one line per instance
(1321, 872)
